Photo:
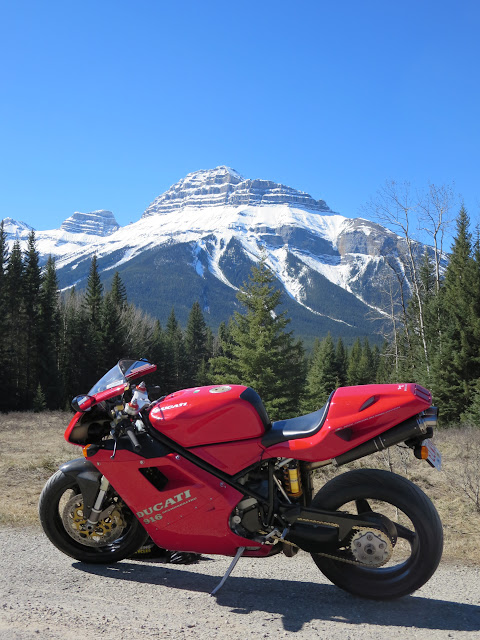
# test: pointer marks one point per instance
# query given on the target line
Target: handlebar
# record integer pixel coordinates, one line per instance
(137, 447)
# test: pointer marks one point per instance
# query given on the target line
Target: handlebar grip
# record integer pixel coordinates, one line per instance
(137, 447)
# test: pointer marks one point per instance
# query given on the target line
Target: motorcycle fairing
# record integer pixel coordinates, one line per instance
(197, 521)
(355, 415)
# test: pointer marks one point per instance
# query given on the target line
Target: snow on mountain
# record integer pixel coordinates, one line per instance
(210, 226)
(98, 223)
(224, 186)
(15, 229)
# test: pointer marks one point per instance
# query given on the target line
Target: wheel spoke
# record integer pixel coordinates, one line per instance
(362, 505)
(406, 534)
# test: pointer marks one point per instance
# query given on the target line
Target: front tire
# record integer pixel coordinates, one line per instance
(419, 545)
(118, 535)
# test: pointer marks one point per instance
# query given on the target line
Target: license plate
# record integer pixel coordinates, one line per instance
(434, 455)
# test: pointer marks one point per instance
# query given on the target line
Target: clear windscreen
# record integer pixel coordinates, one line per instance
(122, 373)
(111, 379)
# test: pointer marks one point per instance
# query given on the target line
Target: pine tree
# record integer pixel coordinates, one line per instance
(12, 397)
(195, 344)
(353, 370)
(456, 366)
(472, 415)
(31, 296)
(39, 402)
(263, 354)
(222, 345)
(94, 294)
(49, 336)
(175, 355)
(322, 376)
(93, 302)
(113, 330)
(112, 342)
(118, 291)
(341, 359)
(156, 355)
(366, 369)
(3, 308)
(74, 346)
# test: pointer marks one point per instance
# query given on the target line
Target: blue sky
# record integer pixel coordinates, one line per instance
(104, 105)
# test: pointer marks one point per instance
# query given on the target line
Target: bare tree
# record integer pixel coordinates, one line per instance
(397, 209)
(436, 216)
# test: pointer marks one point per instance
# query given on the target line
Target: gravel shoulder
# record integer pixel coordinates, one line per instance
(46, 594)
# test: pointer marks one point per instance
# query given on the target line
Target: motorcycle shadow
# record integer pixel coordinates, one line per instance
(299, 602)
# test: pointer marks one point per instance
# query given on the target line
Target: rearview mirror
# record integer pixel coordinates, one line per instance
(83, 403)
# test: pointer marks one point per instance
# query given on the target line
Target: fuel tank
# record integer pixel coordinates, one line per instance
(212, 414)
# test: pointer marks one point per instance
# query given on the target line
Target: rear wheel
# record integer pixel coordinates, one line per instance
(117, 535)
(416, 547)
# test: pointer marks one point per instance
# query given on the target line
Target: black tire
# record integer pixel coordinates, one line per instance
(420, 534)
(132, 535)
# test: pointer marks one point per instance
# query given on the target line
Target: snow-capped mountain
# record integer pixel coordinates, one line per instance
(225, 187)
(197, 241)
(97, 223)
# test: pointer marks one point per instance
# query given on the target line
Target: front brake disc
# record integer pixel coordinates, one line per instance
(105, 531)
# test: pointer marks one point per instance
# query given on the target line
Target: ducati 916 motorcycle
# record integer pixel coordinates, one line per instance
(203, 470)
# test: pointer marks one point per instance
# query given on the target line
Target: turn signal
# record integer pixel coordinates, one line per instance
(85, 450)
(423, 452)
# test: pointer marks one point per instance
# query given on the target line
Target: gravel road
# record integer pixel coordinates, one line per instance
(46, 594)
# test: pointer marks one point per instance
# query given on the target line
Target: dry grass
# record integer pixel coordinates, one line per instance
(32, 447)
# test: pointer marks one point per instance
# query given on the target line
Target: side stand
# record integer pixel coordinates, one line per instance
(229, 570)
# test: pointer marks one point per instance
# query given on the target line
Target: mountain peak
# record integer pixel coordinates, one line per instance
(98, 223)
(224, 186)
(15, 229)
(218, 174)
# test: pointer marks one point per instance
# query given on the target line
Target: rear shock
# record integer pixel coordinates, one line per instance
(292, 480)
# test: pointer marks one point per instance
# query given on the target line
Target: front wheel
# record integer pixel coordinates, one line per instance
(417, 545)
(117, 535)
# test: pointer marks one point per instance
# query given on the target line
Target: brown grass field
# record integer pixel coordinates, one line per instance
(32, 447)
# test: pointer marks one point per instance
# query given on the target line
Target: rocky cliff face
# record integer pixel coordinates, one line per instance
(226, 187)
(368, 238)
(97, 223)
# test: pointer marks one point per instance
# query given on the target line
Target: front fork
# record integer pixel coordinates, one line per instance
(96, 509)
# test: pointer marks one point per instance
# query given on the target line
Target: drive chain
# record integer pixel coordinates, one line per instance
(334, 557)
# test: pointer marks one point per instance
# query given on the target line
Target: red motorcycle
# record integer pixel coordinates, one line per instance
(203, 470)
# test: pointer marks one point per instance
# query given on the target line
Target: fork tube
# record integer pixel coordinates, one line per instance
(96, 510)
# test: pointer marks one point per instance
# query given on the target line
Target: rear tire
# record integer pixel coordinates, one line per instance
(420, 534)
(59, 491)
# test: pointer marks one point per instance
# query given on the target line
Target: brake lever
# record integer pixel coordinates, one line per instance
(115, 440)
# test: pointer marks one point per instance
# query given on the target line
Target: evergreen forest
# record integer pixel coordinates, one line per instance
(56, 345)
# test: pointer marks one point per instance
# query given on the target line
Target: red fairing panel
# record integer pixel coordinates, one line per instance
(99, 397)
(191, 513)
(358, 414)
(231, 457)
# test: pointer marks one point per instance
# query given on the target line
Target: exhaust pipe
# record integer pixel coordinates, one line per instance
(419, 427)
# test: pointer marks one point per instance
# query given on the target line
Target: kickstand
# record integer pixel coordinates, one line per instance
(229, 570)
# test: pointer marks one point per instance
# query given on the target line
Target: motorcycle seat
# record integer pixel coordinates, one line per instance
(294, 428)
